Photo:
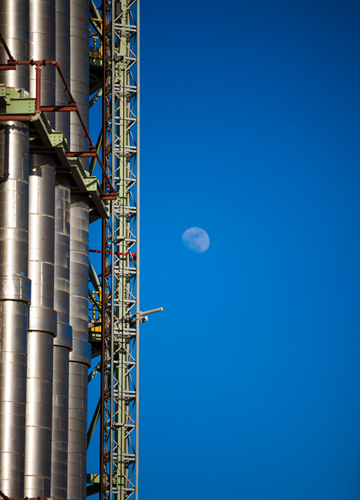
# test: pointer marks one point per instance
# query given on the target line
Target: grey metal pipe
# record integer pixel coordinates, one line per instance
(63, 341)
(79, 39)
(80, 357)
(14, 298)
(42, 318)
(14, 25)
(79, 258)
(77, 431)
(14, 282)
(42, 326)
(59, 458)
(62, 49)
(42, 46)
(62, 262)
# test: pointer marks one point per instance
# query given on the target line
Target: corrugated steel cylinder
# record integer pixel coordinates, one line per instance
(14, 26)
(62, 47)
(14, 297)
(42, 46)
(42, 326)
(63, 341)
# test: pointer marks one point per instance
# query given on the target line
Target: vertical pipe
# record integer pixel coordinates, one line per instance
(79, 71)
(14, 26)
(14, 301)
(14, 282)
(62, 51)
(79, 259)
(42, 326)
(42, 46)
(63, 341)
(80, 356)
(42, 319)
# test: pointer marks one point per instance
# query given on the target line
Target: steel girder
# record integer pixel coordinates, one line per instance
(120, 371)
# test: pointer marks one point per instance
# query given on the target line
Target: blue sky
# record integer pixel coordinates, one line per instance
(250, 130)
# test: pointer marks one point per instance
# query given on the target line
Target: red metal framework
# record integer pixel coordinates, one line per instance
(72, 106)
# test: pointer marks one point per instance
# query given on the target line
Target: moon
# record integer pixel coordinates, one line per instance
(196, 239)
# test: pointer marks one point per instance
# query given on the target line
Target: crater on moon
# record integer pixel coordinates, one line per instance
(196, 239)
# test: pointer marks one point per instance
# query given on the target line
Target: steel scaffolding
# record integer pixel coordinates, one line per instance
(120, 288)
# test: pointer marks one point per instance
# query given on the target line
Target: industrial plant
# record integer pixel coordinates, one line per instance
(69, 312)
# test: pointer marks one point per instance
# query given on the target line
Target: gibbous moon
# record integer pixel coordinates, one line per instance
(196, 239)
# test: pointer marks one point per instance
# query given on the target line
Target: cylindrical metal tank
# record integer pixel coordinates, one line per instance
(63, 341)
(80, 357)
(42, 326)
(42, 319)
(62, 49)
(77, 431)
(14, 301)
(14, 26)
(79, 258)
(14, 282)
(42, 46)
(79, 81)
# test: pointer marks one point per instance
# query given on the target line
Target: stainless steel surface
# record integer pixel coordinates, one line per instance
(79, 258)
(59, 458)
(42, 46)
(80, 357)
(14, 25)
(77, 431)
(41, 243)
(38, 414)
(42, 326)
(14, 145)
(62, 50)
(62, 262)
(14, 300)
(13, 339)
(63, 341)
(15, 287)
(79, 276)
(79, 70)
